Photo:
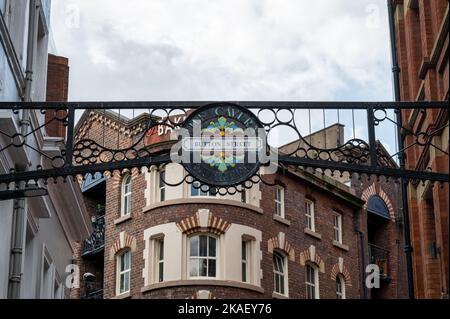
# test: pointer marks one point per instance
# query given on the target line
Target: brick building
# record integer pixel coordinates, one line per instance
(421, 47)
(303, 238)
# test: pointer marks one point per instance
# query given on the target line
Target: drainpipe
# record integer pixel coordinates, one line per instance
(401, 157)
(362, 242)
(19, 212)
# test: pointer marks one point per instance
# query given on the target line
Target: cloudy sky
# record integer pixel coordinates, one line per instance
(224, 49)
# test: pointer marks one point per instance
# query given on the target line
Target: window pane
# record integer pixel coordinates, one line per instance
(194, 246)
(282, 285)
(127, 257)
(194, 191)
(162, 178)
(203, 246)
(122, 283)
(125, 261)
(309, 275)
(244, 250)
(161, 250)
(127, 281)
(194, 267)
(244, 272)
(277, 283)
(203, 267)
(126, 205)
(212, 247)
(161, 272)
(212, 268)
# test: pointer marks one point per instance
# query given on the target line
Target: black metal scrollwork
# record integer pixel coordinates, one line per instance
(79, 153)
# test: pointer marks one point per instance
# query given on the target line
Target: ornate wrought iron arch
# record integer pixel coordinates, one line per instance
(77, 154)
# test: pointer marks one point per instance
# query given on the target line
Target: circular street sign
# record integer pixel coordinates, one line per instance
(223, 144)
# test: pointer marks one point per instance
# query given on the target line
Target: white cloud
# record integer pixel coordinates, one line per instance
(224, 49)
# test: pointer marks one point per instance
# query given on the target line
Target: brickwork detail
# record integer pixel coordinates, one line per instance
(124, 241)
(193, 224)
(280, 243)
(310, 255)
(372, 191)
(339, 268)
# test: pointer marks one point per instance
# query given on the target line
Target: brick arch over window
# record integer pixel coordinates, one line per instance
(279, 242)
(124, 241)
(203, 220)
(118, 177)
(310, 255)
(372, 191)
(339, 268)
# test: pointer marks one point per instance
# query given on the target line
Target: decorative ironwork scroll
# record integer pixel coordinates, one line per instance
(73, 139)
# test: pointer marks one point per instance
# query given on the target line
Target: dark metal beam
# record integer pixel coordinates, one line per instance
(248, 104)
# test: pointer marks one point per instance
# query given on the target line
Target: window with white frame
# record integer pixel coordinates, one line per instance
(123, 272)
(245, 260)
(340, 287)
(159, 253)
(126, 196)
(310, 215)
(280, 273)
(312, 281)
(162, 185)
(279, 201)
(202, 256)
(202, 190)
(337, 227)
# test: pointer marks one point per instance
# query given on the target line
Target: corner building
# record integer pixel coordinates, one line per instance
(298, 239)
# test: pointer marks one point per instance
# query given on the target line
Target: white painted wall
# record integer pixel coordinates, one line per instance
(174, 175)
(52, 224)
(175, 254)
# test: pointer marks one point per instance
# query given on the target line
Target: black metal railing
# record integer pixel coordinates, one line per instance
(380, 257)
(98, 294)
(356, 154)
(96, 242)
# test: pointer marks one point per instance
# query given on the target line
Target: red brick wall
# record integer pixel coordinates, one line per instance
(295, 210)
(422, 43)
(390, 236)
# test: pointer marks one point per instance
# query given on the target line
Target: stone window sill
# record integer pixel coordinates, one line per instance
(340, 246)
(123, 296)
(122, 219)
(277, 295)
(313, 233)
(281, 220)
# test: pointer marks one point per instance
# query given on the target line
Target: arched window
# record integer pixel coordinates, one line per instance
(202, 256)
(312, 281)
(280, 273)
(126, 196)
(376, 205)
(340, 287)
(123, 272)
